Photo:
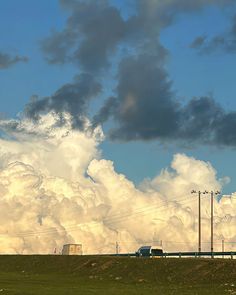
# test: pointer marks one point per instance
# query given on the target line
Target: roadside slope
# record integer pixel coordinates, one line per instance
(176, 270)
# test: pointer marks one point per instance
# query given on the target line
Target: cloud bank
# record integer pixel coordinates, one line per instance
(55, 188)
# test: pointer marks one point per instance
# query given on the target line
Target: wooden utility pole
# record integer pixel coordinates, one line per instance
(212, 221)
(212, 213)
(199, 217)
(223, 247)
(199, 222)
(117, 248)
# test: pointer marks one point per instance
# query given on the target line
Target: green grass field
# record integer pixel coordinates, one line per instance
(25, 275)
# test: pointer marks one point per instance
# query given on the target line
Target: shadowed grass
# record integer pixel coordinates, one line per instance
(25, 275)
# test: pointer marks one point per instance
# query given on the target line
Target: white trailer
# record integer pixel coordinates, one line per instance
(72, 249)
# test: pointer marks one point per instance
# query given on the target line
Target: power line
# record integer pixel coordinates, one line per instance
(112, 219)
(117, 218)
(96, 223)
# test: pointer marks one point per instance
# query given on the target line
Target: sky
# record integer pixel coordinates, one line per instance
(151, 79)
(25, 25)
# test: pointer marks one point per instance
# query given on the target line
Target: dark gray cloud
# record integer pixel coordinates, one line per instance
(198, 42)
(164, 13)
(72, 98)
(7, 60)
(93, 30)
(205, 121)
(226, 129)
(58, 47)
(107, 111)
(224, 42)
(146, 108)
(199, 120)
(144, 101)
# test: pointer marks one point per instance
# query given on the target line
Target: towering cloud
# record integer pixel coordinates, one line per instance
(55, 189)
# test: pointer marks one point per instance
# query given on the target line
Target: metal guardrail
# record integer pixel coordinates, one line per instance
(176, 254)
(197, 254)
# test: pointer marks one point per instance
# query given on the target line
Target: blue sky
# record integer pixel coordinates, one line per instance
(23, 26)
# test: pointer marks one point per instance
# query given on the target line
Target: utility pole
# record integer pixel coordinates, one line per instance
(212, 213)
(199, 222)
(212, 217)
(117, 248)
(223, 247)
(199, 217)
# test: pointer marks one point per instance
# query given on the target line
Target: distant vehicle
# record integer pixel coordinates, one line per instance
(149, 251)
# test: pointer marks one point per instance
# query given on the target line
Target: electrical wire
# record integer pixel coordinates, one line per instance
(113, 219)
(116, 219)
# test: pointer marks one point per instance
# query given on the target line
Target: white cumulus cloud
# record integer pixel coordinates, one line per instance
(56, 189)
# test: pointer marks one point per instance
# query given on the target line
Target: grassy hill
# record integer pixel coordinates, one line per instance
(59, 275)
